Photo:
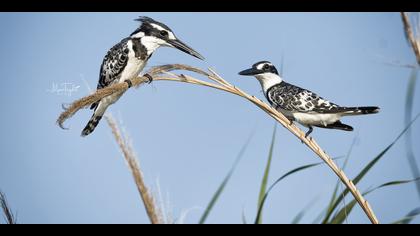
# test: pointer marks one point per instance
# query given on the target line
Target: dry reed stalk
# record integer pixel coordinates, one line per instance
(223, 85)
(154, 213)
(8, 215)
(415, 42)
(152, 210)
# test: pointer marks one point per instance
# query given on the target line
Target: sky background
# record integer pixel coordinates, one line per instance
(187, 137)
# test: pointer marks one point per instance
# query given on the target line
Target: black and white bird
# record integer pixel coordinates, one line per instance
(301, 105)
(127, 59)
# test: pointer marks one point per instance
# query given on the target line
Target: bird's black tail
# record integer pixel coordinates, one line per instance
(349, 111)
(91, 125)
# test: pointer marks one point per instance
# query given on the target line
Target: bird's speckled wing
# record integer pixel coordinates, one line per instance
(113, 64)
(295, 99)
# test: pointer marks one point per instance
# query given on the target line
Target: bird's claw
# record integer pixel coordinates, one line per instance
(65, 106)
(309, 132)
(149, 77)
(129, 83)
(307, 137)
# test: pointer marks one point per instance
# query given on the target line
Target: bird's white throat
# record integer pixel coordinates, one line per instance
(268, 80)
(152, 43)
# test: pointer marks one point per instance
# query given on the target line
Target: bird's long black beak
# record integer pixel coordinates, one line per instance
(185, 48)
(250, 71)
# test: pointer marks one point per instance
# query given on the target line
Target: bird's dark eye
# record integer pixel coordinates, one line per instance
(266, 67)
(163, 33)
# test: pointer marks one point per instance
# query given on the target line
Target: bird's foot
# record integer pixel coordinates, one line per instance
(65, 106)
(308, 133)
(307, 137)
(149, 77)
(129, 83)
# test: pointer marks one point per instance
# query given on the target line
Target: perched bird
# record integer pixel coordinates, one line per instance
(301, 105)
(127, 59)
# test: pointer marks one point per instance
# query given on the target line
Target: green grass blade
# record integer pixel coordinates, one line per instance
(374, 161)
(298, 217)
(261, 206)
(337, 185)
(333, 199)
(342, 214)
(319, 218)
(409, 217)
(302, 213)
(298, 169)
(222, 186)
(365, 171)
(263, 187)
(398, 182)
(409, 101)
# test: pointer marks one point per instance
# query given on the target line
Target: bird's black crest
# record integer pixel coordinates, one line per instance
(148, 20)
(144, 19)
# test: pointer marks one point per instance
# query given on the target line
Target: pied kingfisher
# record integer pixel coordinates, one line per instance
(127, 59)
(301, 105)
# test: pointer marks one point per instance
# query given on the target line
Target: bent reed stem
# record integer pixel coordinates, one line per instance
(162, 73)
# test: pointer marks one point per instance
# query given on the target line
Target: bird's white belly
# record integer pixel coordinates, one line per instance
(133, 69)
(316, 119)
